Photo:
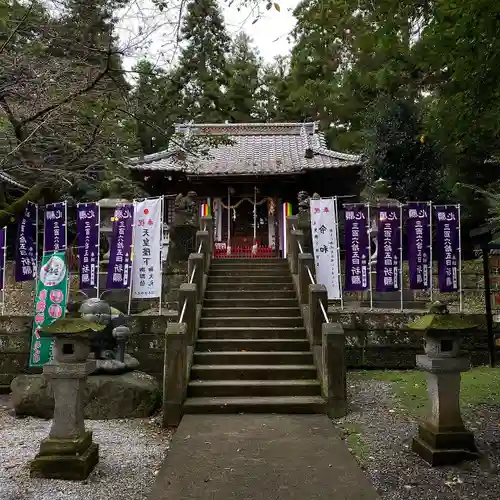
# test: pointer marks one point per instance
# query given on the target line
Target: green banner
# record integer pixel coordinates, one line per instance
(50, 304)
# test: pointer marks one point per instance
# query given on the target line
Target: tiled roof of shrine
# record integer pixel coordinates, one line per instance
(251, 149)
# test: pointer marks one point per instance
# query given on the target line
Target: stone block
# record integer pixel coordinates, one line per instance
(75, 467)
(129, 395)
(334, 370)
(174, 378)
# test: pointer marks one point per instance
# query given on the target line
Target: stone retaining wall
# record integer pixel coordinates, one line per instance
(383, 340)
(146, 344)
(374, 340)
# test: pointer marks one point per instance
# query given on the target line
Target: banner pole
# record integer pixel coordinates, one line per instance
(460, 289)
(66, 246)
(3, 271)
(369, 255)
(98, 275)
(36, 244)
(431, 264)
(162, 207)
(132, 256)
(336, 214)
(401, 254)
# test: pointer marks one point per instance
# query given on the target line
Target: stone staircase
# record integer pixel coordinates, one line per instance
(252, 354)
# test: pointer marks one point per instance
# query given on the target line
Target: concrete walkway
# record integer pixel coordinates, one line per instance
(260, 457)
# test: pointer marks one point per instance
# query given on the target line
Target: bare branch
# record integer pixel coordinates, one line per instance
(16, 29)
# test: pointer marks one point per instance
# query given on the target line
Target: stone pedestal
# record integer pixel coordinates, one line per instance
(442, 438)
(68, 452)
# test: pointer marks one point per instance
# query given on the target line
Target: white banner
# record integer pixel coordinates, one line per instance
(325, 244)
(146, 266)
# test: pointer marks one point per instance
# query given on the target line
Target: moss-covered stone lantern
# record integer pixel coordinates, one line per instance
(442, 438)
(68, 452)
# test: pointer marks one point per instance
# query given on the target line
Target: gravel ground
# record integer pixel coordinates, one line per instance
(130, 452)
(384, 450)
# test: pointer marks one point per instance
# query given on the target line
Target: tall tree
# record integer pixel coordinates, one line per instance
(202, 63)
(274, 104)
(243, 80)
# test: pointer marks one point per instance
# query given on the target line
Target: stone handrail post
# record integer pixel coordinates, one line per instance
(296, 237)
(317, 294)
(334, 369)
(188, 292)
(304, 261)
(196, 264)
(291, 222)
(207, 224)
(203, 237)
(174, 375)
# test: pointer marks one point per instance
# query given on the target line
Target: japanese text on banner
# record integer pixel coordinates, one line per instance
(120, 255)
(147, 276)
(418, 228)
(389, 249)
(325, 245)
(448, 248)
(87, 226)
(55, 227)
(356, 248)
(26, 251)
(50, 304)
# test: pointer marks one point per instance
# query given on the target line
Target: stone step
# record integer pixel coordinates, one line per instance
(285, 404)
(253, 388)
(249, 312)
(253, 372)
(251, 278)
(254, 358)
(279, 321)
(257, 293)
(249, 262)
(245, 286)
(231, 271)
(245, 333)
(233, 302)
(251, 344)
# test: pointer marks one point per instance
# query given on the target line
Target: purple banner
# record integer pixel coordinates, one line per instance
(3, 254)
(356, 245)
(26, 251)
(388, 249)
(87, 227)
(54, 236)
(120, 258)
(418, 227)
(447, 247)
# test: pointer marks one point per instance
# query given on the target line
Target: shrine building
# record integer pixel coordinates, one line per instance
(250, 178)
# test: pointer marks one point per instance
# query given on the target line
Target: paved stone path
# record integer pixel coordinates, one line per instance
(260, 457)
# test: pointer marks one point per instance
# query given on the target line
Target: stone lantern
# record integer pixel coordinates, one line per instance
(442, 438)
(68, 452)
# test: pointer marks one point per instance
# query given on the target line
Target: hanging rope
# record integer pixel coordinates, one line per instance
(236, 205)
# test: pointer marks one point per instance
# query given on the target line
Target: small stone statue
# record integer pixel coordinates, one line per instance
(108, 345)
(303, 201)
(185, 212)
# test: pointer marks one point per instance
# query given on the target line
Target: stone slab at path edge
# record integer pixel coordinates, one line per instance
(260, 457)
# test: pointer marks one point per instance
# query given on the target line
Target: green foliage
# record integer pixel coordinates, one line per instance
(399, 152)
(202, 69)
(478, 386)
(243, 80)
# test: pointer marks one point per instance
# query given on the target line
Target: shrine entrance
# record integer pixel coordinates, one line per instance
(249, 226)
